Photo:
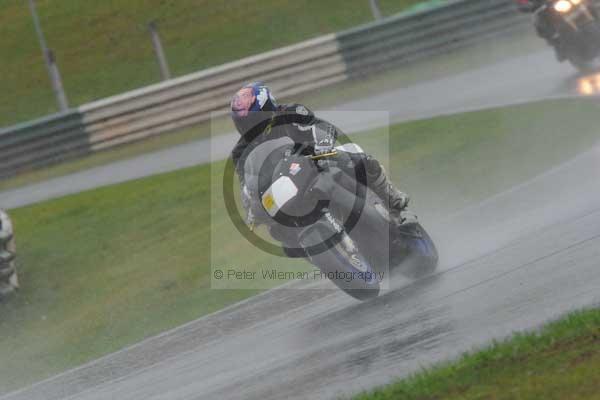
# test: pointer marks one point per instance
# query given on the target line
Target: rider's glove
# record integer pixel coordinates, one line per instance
(246, 197)
(254, 214)
(250, 220)
(324, 135)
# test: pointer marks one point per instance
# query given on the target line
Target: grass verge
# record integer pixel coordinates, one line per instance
(560, 361)
(109, 267)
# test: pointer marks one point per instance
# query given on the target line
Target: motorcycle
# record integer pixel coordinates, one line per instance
(577, 25)
(334, 221)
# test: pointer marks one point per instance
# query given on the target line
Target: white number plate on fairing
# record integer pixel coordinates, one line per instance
(278, 194)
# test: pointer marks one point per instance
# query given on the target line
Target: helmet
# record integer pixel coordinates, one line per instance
(252, 108)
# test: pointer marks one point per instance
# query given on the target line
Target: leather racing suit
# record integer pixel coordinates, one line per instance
(312, 135)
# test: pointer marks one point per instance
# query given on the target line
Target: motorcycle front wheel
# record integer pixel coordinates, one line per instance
(583, 58)
(343, 264)
(422, 259)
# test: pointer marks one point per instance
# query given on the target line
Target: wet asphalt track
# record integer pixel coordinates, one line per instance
(301, 344)
(509, 263)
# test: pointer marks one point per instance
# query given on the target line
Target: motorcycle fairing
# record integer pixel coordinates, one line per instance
(278, 194)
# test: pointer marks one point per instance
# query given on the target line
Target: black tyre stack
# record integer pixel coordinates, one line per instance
(8, 272)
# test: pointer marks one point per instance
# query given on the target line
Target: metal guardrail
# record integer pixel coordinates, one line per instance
(404, 39)
(309, 65)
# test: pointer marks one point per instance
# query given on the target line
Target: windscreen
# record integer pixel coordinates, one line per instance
(262, 160)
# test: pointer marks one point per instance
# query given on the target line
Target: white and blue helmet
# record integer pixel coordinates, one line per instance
(251, 106)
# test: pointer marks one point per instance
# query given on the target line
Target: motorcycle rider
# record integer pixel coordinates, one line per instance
(542, 22)
(258, 118)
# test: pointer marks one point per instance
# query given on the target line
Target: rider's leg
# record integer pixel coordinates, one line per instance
(379, 182)
(377, 179)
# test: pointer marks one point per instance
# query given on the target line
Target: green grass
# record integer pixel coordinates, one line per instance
(103, 47)
(106, 268)
(456, 160)
(560, 361)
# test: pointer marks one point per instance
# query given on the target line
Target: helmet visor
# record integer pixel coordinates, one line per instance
(242, 102)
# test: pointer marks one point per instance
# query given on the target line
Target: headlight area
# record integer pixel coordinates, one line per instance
(589, 85)
(564, 6)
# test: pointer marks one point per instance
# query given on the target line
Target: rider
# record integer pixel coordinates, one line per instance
(254, 110)
(541, 20)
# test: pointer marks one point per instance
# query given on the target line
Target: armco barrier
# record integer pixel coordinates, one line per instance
(403, 39)
(193, 98)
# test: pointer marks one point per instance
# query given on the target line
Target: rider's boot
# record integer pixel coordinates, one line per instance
(395, 200)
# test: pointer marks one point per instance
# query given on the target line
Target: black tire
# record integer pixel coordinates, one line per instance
(335, 262)
(582, 63)
(423, 255)
(6, 257)
(6, 270)
(583, 66)
(5, 237)
(6, 291)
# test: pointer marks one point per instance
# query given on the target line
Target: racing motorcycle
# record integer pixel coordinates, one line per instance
(577, 24)
(334, 221)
